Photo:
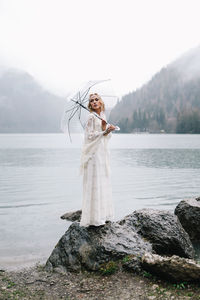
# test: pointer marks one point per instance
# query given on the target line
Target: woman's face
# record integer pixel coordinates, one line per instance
(95, 102)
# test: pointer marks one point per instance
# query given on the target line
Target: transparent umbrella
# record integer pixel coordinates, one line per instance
(76, 105)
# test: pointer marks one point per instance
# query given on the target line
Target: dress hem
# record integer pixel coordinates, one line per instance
(99, 224)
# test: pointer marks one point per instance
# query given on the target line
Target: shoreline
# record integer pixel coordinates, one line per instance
(35, 283)
(18, 263)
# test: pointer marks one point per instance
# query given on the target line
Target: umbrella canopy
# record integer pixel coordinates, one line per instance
(76, 107)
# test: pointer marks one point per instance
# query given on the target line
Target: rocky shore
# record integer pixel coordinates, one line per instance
(156, 241)
(38, 284)
(149, 254)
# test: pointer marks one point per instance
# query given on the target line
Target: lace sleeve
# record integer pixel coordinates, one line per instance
(90, 132)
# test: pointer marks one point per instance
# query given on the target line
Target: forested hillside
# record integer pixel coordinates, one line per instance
(169, 102)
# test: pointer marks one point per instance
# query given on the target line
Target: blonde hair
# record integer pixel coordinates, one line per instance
(101, 101)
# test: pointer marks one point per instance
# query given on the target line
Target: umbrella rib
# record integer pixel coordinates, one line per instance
(80, 117)
(79, 114)
(87, 91)
(70, 109)
(71, 116)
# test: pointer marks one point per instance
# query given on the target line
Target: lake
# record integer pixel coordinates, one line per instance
(39, 181)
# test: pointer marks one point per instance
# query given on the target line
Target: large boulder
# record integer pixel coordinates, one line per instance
(188, 212)
(163, 230)
(174, 268)
(89, 247)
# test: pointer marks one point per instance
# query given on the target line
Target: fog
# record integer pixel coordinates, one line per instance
(65, 43)
(188, 64)
(56, 46)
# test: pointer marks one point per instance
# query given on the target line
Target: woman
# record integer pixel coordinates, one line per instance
(97, 207)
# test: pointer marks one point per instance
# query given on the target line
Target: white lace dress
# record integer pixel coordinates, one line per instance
(97, 206)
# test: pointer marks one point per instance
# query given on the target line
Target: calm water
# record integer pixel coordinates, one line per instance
(39, 181)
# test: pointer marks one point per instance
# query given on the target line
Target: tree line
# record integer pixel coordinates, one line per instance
(156, 121)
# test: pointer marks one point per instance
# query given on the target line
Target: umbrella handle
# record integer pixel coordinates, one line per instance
(117, 128)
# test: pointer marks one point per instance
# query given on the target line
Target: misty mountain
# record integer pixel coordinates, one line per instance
(169, 102)
(27, 107)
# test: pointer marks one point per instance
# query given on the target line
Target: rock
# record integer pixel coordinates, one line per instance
(142, 231)
(163, 230)
(174, 268)
(133, 265)
(89, 247)
(188, 212)
(72, 216)
(155, 286)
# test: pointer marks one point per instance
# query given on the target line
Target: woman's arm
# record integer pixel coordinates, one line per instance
(90, 132)
(107, 128)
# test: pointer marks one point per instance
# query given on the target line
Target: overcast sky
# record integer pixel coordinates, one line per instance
(66, 42)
